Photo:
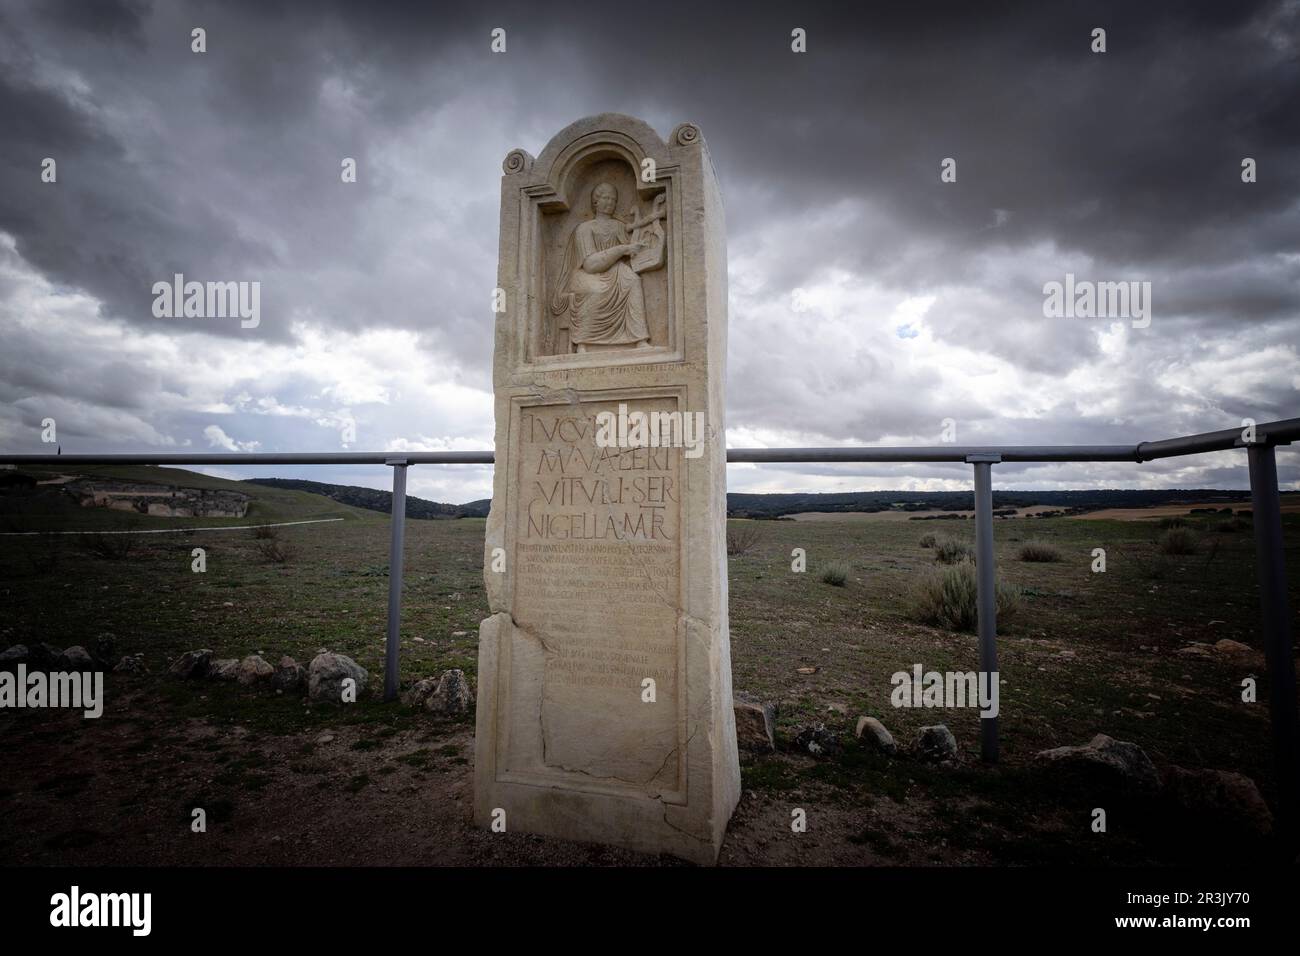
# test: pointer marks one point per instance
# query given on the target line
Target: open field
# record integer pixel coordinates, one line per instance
(1290, 505)
(900, 515)
(376, 783)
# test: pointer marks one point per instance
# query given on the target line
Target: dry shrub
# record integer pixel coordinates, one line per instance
(1039, 551)
(948, 598)
(1177, 541)
(110, 547)
(953, 551)
(277, 551)
(742, 538)
(836, 573)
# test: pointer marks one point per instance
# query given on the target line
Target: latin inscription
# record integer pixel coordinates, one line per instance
(598, 584)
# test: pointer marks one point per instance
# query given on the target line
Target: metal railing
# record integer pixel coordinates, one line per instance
(1266, 514)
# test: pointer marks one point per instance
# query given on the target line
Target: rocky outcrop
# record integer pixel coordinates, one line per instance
(755, 725)
(290, 676)
(873, 733)
(168, 501)
(327, 673)
(254, 670)
(192, 665)
(935, 744)
(1218, 799)
(1102, 765)
(226, 669)
(446, 695)
(818, 740)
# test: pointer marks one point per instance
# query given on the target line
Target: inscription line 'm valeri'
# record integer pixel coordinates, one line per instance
(609, 500)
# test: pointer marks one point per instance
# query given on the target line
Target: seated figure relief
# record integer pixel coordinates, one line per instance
(598, 295)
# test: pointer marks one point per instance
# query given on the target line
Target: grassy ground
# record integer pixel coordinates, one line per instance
(381, 783)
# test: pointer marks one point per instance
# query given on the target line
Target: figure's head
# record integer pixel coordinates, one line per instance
(604, 199)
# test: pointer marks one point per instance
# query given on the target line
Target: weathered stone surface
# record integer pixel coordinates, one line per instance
(192, 665)
(817, 740)
(1239, 653)
(254, 670)
(871, 731)
(450, 695)
(327, 673)
(290, 676)
(225, 669)
(935, 744)
(1219, 799)
(157, 499)
(420, 691)
(606, 566)
(1103, 764)
(755, 725)
(76, 658)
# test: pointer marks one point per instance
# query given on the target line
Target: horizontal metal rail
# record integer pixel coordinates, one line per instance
(1270, 559)
(1270, 433)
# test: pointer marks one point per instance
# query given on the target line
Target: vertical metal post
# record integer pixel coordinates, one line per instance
(1271, 571)
(986, 578)
(395, 555)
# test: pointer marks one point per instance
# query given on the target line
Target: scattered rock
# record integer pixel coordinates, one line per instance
(1219, 799)
(130, 664)
(755, 725)
(325, 739)
(806, 670)
(420, 691)
(1239, 652)
(192, 665)
(1104, 764)
(935, 744)
(13, 656)
(76, 658)
(837, 709)
(327, 673)
(254, 670)
(873, 732)
(1202, 651)
(1228, 646)
(817, 740)
(451, 696)
(289, 675)
(225, 669)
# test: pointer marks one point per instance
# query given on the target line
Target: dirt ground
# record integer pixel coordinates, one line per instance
(284, 783)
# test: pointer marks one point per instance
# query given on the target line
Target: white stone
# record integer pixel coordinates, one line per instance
(614, 558)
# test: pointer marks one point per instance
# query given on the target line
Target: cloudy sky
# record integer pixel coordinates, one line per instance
(869, 300)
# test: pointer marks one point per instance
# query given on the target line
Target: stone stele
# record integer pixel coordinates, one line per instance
(605, 710)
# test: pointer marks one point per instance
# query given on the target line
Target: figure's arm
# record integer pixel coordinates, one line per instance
(602, 261)
(658, 212)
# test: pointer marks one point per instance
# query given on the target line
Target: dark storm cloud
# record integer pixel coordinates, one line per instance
(1117, 166)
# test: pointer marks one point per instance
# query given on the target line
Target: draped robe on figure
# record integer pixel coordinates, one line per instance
(605, 308)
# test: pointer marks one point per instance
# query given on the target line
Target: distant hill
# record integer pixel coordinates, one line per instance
(373, 499)
(771, 506)
(35, 499)
(741, 505)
